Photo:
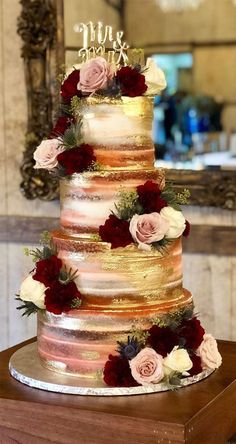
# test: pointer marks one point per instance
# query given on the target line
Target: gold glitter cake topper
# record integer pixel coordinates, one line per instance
(95, 40)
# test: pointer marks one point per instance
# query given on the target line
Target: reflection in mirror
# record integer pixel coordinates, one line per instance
(187, 129)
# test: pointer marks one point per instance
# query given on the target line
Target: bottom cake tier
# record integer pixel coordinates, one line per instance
(79, 342)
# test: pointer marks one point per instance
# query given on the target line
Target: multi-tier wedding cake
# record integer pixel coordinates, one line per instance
(107, 285)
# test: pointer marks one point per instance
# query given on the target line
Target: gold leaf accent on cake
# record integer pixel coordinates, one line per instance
(99, 374)
(90, 355)
(153, 297)
(177, 292)
(88, 177)
(121, 301)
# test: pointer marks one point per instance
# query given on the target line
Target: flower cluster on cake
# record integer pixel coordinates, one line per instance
(107, 286)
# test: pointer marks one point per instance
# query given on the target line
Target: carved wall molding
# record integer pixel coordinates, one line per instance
(204, 239)
(37, 26)
(207, 187)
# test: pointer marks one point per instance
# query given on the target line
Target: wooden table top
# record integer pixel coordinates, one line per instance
(202, 413)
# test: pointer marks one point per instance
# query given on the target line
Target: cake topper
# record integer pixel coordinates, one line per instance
(95, 38)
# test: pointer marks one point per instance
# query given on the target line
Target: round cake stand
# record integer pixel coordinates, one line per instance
(25, 366)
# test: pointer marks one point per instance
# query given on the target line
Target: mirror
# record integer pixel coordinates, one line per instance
(195, 118)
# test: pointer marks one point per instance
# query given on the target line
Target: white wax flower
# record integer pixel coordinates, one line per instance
(33, 291)
(154, 78)
(176, 220)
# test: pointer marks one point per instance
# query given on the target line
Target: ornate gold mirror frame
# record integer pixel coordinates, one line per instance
(41, 28)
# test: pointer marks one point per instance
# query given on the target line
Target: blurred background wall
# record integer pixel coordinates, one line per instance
(211, 278)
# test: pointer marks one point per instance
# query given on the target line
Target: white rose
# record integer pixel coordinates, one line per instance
(208, 352)
(176, 220)
(147, 228)
(33, 291)
(154, 78)
(177, 360)
(46, 154)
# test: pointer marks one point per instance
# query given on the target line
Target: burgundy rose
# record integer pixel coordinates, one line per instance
(77, 160)
(197, 367)
(187, 228)
(191, 332)
(131, 82)
(117, 372)
(149, 196)
(62, 124)
(47, 270)
(69, 86)
(59, 297)
(162, 339)
(116, 231)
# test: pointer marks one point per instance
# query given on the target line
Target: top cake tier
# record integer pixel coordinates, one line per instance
(119, 130)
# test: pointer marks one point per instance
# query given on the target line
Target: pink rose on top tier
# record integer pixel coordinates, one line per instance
(46, 154)
(148, 228)
(146, 368)
(95, 74)
(208, 352)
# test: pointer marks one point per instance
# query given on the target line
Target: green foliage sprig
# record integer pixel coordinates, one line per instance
(28, 307)
(95, 166)
(48, 249)
(183, 197)
(67, 275)
(173, 381)
(76, 303)
(72, 137)
(174, 319)
(95, 238)
(140, 335)
(45, 238)
(127, 204)
(65, 109)
(169, 195)
(78, 106)
(175, 199)
(162, 245)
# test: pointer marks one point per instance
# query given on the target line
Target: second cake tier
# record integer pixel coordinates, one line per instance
(87, 199)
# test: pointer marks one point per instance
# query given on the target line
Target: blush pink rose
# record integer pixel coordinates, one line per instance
(148, 228)
(146, 367)
(208, 352)
(46, 154)
(94, 75)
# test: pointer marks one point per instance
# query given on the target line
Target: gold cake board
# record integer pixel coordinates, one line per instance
(25, 366)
